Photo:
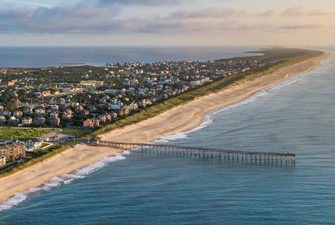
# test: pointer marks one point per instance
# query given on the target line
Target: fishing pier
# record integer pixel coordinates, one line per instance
(196, 152)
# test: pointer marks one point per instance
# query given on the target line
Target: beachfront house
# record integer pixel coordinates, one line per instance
(88, 123)
(30, 144)
(27, 121)
(11, 151)
(40, 121)
(29, 110)
(2, 161)
(55, 121)
(95, 140)
(2, 119)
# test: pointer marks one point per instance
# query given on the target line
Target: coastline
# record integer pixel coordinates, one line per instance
(64, 163)
(168, 123)
(176, 120)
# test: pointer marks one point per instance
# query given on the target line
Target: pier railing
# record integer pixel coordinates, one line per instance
(203, 152)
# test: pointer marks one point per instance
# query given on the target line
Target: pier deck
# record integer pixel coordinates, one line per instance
(202, 152)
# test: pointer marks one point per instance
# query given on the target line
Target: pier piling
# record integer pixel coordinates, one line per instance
(245, 156)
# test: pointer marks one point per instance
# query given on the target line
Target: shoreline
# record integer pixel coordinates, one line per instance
(176, 120)
(165, 124)
(67, 162)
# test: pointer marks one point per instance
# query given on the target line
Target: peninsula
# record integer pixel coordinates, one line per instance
(178, 106)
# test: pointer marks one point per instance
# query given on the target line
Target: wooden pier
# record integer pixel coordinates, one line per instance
(196, 152)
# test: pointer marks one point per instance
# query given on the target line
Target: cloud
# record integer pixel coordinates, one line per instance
(294, 11)
(299, 11)
(93, 17)
(209, 27)
(139, 2)
(317, 12)
(82, 10)
(79, 17)
(207, 13)
(266, 13)
(216, 13)
(28, 3)
(301, 27)
(89, 17)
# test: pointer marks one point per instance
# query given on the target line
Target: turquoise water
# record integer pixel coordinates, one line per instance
(294, 116)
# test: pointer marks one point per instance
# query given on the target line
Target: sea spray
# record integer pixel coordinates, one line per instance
(63, 179)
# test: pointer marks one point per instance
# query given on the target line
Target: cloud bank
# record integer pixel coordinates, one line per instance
(99, 17)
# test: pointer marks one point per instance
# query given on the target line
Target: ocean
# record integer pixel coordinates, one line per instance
(296, 116)
(99, 56)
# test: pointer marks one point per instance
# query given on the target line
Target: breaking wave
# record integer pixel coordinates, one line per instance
(208, 118)
(62, 180)
(83, 172)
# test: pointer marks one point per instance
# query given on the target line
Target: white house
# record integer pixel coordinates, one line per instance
(27, 120)
(2, 161)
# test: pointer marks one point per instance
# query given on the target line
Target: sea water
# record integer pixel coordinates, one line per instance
(294, 116)
(99, 56)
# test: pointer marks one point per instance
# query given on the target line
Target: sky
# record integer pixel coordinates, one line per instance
(166, 22)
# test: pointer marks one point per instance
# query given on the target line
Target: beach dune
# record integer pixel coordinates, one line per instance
(185, 117)
(176, 120)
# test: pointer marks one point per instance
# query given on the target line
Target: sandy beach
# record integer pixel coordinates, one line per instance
(185, 117)
(176, 120)
(66, 162)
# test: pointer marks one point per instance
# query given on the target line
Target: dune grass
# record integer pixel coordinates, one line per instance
(15, 133)
(53, 151)
(287, 59)
(78, 132)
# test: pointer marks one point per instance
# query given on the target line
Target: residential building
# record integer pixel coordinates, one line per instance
(92, 83)
(40, 121)
(88, 123)
(27, 121)
(55, 121)
(95, 140)
(30, 144)
(2, 161)
(12, 151)
(7, 83)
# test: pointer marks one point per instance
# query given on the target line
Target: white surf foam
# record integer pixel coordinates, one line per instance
(81, 173)
(169, 138)
(98, 165)
(293, 82)
(208, 118)
(127, 152)
(259, 95)
(62, 180)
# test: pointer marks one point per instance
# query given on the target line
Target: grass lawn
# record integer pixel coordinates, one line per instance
(45, 145)
(8, 133)
(78, 132)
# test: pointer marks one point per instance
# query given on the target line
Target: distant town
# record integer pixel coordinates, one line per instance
(89, 97)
